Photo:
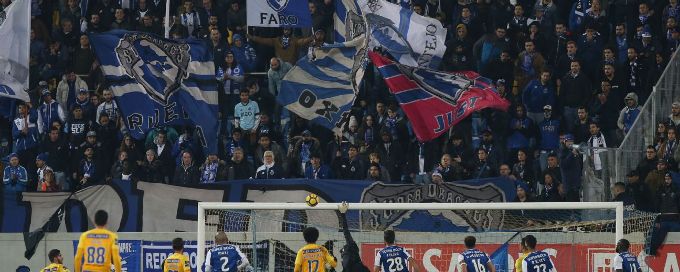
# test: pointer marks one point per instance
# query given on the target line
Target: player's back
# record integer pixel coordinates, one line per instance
(537, 261)
(224, 258)
(98, 247)
(475, 260)
(628, 262)
(393, 259)
(313, 258)
(55, 268)
(176, 262)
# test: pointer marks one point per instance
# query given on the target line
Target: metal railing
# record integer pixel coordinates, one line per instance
(656, 109)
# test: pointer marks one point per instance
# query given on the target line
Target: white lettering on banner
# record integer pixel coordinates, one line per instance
(125, 247)
(427, 263)
(277, 19)
(671, 263)
(154, 260)
(453, 264)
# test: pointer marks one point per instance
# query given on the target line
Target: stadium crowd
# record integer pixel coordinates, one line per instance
(573, 74)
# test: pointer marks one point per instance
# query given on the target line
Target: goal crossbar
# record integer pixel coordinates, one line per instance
(202, 206)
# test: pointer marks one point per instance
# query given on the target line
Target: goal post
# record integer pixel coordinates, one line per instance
(212, 216)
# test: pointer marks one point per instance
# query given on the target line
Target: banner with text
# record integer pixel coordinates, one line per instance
(130, 254)
(154, 207)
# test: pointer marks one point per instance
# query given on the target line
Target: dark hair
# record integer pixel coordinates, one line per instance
(389, 236)
(622, 244)
(311, 234)
(53, 254)
(101, 217)
(620, 185)
(530, 241)
(177, 244)
(470, 241)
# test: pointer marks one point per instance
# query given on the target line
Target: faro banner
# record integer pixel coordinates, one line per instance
(130, 251)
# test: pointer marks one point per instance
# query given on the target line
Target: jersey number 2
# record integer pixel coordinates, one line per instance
(225, 263)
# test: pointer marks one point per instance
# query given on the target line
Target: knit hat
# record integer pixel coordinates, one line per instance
(42, 157)
(523, 186)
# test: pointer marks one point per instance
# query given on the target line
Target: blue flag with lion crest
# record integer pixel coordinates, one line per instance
(159, 82)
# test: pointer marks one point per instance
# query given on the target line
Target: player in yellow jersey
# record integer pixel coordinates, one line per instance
(177, 262)
(56, 262)
(313, 257)
(98, 248)
(524, 251)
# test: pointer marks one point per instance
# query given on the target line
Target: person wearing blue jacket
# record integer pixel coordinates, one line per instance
(14, 177)
(537, 94)
(244, 53)
(522, 129)
(316, 170)
(25, 133)
(49, 112)
(629, 113)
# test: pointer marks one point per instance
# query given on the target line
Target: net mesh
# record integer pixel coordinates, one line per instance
(579, 240)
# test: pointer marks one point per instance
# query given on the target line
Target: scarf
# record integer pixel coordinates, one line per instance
(305, 151)
(209, 173)
(285, 42)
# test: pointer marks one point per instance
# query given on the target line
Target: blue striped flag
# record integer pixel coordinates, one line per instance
(343, 9)
(14, 50)
(410, 38)
(322, 89)
(159, 82)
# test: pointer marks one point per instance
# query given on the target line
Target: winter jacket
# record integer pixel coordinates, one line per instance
(186, 175)
(65, 96)
(48, 113)
(536, 95)
(17, 184)
(24, 141)
(269, 172)
(276, 76)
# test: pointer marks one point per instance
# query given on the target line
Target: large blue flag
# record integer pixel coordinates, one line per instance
(410, 38)
(499, 258)
(159, 82)
(322, 87)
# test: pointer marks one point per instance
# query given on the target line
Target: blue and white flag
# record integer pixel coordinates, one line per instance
(15, 31)
(159, 82)
(279, 13)
(344, 9)
(410, 38)
(322, 89)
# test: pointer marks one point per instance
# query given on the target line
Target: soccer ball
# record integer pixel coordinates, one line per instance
(312, 200)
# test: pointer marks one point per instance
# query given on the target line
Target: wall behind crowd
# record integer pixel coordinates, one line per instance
(575, 72)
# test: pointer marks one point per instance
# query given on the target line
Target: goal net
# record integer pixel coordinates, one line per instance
(580, 236)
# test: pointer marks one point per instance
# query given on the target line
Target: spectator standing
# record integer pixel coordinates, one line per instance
(49, 112)
(213, 170)
(236, 18)
(537, 94)
(190, 19)
(524, 170)
(648, 163)
(286, 47)
(68, 87)
(629, 113)
(620, 43)
(108, 106)
(117, 167)
(300, 153)
(620, 194)
(550, 193)
(571, 162)
(392, 155)
(448, 169)
(490, 46)
(528, 65)
(549, 133)
(121, 20)
(277, 70)
(674, 118)
(163, 149)
(15, 177)
(483, 167)
(574, 92)
(266, 144)
(25, 134)
(636, 72)
(640, 192)
(230, 74)
(247, 116)
(596, 145)
(581, 127)
(656, 177)
(244, 53)
(89, 170)
(668, 196)
(522, 130)
(56, 148)
(669, 149)
(606, 107)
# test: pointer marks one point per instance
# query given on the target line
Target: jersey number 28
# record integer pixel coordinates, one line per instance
(395, 264)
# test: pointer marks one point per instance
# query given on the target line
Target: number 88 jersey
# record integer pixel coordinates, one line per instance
(392, 259)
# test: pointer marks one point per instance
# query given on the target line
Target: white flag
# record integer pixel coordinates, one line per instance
(412, 39)
(15, 31)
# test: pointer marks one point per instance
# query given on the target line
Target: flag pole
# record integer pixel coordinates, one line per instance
(167, 19)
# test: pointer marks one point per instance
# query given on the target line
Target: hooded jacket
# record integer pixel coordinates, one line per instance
(628, 115)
